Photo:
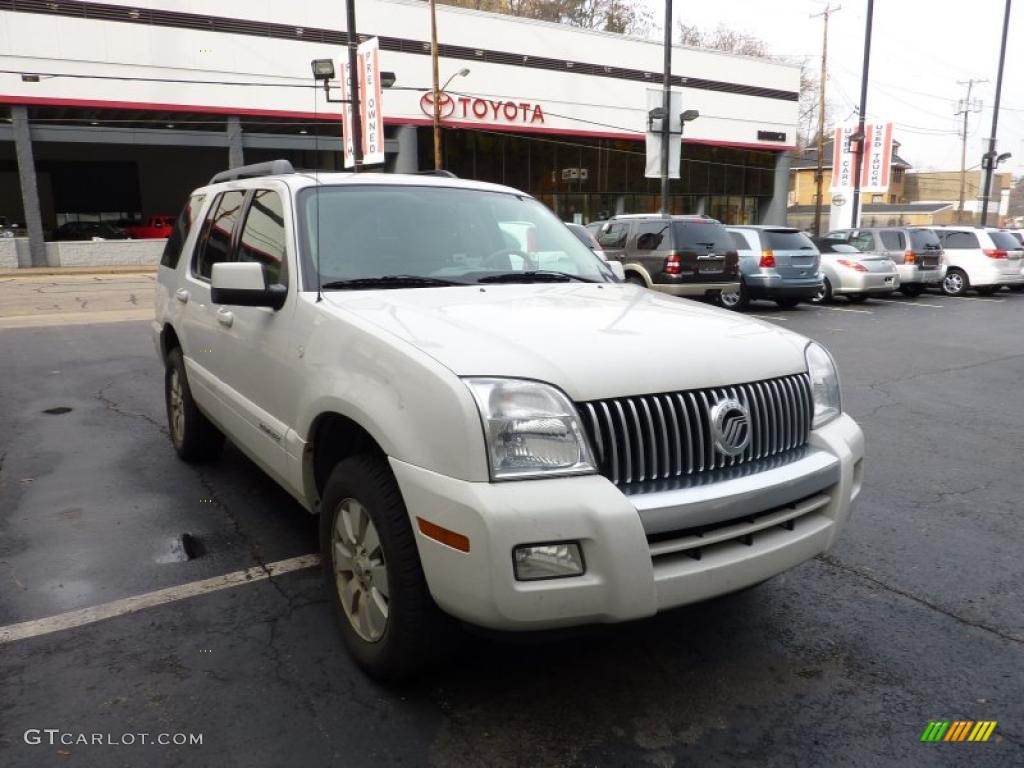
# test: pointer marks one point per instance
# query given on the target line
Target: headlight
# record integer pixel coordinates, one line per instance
(531, 429)
(824, 385)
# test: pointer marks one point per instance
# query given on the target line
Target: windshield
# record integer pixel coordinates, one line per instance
(440, 234)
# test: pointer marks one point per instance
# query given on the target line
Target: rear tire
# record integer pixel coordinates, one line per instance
(635, 279)
(734, 300)
(787, 303)
(856, 298)
(193, 436)
(911, 291)
(1017, 288)
(955, 283)
(388, 620)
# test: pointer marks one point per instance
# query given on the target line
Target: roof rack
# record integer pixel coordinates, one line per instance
(271, 168)
(436, 172)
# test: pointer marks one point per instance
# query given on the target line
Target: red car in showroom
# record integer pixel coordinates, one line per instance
(152, 227)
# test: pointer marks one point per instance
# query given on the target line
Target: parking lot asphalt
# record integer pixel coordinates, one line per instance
(916, 615)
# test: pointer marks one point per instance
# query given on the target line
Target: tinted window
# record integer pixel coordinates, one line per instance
(740, 241)
(701, 236)
(262, 237)
(614, 236)
(838, 235)
(1004, 240)
(863, 241)
(583, 235)
(652, 235)
(788, 240)
(214, 243)
(957, 240)
(182, 227)
(893, 240)
(924, 239)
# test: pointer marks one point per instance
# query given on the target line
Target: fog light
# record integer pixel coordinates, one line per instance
(548, 561)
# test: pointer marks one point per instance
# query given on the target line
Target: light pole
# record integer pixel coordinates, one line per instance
(438, 95)
(859, 135)
(989, 158)
(666, 106)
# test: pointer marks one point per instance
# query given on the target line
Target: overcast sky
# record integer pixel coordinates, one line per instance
(919, 50)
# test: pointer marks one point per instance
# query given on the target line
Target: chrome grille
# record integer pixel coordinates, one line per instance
(653, 437)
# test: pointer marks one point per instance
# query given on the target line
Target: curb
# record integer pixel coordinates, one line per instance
(109, 270)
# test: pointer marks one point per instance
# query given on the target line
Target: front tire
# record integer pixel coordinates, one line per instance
(857, 298)
(987, 290)
(955, 283)
(787, 303)
(388, 620)
(911, 291)
(193, 436)
(824, 295)
(1017, 288)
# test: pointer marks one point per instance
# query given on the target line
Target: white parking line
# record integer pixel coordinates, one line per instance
(84, 616)
(767, 317)
(844, 309)
(971, 298)
(910, 303)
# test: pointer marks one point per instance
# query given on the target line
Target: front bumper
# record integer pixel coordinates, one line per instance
(639, 550)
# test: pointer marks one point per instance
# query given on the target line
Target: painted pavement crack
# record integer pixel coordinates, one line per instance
(833, 563)
(112, 405)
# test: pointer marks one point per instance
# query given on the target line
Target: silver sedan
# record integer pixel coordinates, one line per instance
(854, 274)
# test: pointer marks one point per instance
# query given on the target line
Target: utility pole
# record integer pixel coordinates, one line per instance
(353, 85)
(990, 156)
(436, 99)
(819, 174)
(666, 104)
(859, 154)
(965, 107)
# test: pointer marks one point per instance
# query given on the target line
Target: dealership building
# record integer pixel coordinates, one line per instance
(117, 110)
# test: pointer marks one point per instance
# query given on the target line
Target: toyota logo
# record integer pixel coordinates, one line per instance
(730, 427)
(427, 104)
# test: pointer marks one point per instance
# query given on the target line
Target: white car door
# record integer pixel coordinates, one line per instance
(206, 354)
(262, 352)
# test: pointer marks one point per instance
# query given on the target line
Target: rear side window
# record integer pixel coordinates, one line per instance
(702, 236)
(214, 244)
(653, 235)
(262, 238)
(924, 240)
(893, 240)
(1004, 241)
(959, 240)
(740, 241)
(788, 240)
(182, 228)
(614, 236)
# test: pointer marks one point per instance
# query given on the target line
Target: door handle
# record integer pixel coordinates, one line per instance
(181, 295)
(225, 317)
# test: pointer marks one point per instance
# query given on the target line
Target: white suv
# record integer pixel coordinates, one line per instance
(980, 258)
(502, 433)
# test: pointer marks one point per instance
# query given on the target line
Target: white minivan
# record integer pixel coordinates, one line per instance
(979, 258)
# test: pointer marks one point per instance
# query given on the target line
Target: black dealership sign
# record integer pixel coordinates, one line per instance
(771, 136)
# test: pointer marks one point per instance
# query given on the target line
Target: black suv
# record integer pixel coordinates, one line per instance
(680, 255)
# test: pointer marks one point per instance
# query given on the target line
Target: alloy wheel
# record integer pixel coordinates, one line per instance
(953, 283)
(177, 408)
(359, 570)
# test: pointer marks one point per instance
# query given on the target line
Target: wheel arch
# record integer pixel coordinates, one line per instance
(332, 437)
(168, 341)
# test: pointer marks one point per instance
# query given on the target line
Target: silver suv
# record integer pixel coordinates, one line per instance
(917, 253)
(776, 263)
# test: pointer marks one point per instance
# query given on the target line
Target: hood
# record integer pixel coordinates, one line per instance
(592, 340)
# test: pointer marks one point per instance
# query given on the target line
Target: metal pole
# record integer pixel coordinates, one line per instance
(819, 173)
(353, 85)
(859, 154)
(437, 90)
(29, 185)
(966, 108)
(991, 164)
(666, 103)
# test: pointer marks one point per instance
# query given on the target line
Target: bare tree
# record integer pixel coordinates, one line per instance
(721, 38)
(631, 17)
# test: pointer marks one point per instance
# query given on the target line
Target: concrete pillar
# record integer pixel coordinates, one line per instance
(29, 188)
(407, 160)
(235, 155)
(775, 211)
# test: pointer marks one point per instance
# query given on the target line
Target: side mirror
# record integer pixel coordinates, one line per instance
(617, 269)
(244, 284)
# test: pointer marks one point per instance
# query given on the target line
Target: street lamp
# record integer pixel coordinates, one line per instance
(323, 71)
(438, 93)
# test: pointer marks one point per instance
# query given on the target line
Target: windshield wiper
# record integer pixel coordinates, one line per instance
(534, 276)
(390, 281)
